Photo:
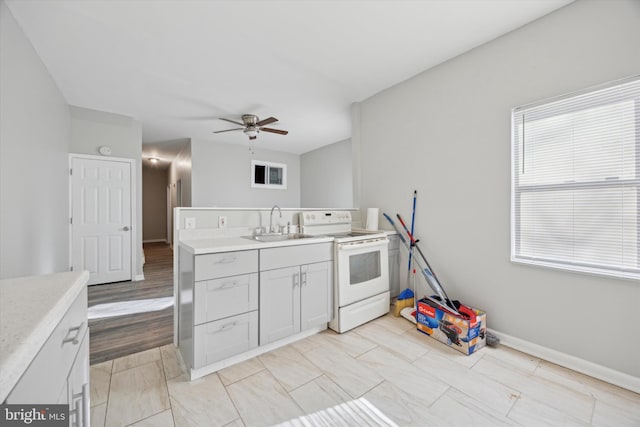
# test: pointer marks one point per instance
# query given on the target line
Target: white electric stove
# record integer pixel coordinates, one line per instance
(361, 268)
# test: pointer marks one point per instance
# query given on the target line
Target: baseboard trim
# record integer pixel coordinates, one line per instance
(138, 277)
(595, 370)
(155, 241)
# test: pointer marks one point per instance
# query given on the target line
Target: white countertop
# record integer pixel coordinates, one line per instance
(228, 244)
(30, 309)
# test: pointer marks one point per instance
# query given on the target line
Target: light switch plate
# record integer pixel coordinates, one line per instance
(222, 222)
(189, 223)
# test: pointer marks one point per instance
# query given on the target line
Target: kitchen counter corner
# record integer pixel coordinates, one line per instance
(30, 309)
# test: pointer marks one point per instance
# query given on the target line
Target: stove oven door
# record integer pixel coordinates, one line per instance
(362, 270)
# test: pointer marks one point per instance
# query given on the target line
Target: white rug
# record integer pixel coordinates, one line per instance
(123, 308)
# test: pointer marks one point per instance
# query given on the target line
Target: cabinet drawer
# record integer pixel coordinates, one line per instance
(215, 341)
(224, 264)
(219, 298)
(47, 373)
(287, 256)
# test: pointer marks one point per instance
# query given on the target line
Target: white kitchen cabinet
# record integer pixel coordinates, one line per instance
(279, 303)
(224, 338)
(232, 304)
(78, 392)
(316, 291)
(225, 264)
(297, 297)
(394, 265)
(218, 303)
(60, 371)
(228, 296)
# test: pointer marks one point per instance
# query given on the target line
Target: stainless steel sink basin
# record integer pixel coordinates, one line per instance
(277, 237)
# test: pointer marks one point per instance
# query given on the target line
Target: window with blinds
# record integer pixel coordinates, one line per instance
(576, 181)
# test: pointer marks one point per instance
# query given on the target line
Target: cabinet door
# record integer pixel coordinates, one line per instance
(315, 294)
(394, 272)
(279, 303)
(78, 386)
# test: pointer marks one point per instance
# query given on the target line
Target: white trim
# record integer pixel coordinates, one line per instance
(576, 93)
(134, 208)
(175, 239)
(577, 364)
(214, 367)
(155, 241)
(573, 268)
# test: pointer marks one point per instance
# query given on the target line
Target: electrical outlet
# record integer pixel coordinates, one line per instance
(189, 223)
(222, 222)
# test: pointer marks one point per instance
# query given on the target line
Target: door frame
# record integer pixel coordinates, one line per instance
(134, 208)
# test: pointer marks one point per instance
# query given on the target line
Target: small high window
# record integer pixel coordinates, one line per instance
(268, 175)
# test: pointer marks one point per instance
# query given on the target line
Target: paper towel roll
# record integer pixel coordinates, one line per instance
(372, 218)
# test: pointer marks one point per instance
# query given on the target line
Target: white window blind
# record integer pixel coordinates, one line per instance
(576, 181)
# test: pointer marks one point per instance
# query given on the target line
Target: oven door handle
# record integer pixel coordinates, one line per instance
(362, 244)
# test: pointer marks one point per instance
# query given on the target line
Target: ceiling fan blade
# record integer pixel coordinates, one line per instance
(228, 130)
(266, 121)
(278, 131)
(231, 121)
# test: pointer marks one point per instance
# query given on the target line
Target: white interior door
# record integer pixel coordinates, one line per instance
(101, 222)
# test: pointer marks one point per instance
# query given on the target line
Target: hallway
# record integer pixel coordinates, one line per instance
(119, 335)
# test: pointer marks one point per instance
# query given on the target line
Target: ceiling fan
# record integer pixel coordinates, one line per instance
(251, 126)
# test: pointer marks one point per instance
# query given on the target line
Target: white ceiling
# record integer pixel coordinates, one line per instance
(178, 65)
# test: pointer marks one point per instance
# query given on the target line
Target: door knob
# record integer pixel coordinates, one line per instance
(126, 228)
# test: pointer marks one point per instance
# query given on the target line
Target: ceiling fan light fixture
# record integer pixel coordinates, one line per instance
(251, 131)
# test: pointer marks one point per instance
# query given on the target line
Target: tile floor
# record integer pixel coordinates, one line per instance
(384, 373)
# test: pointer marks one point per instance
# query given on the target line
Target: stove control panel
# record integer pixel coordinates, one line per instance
(324, 217)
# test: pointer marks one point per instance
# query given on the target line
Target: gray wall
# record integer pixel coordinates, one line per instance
(154, 203)
(34, 166)
(221, 176)
(91, 129)
(458, 159)
(326, 177)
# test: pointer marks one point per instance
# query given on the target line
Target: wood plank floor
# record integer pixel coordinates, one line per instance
(119, 336)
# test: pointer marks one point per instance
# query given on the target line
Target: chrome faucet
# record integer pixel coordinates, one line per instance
(260, 228)
(271, 229)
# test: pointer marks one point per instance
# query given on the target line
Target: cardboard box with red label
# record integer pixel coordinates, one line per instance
(465, 335)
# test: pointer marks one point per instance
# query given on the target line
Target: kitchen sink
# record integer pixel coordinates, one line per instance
(277, 237)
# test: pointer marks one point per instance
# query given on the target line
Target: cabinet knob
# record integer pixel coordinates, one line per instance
(73, 339)
(226, 260)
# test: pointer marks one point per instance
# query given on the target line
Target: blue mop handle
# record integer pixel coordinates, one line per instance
(395, 227)
(413, 222)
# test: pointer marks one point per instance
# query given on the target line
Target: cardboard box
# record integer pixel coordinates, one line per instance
(466, 336)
